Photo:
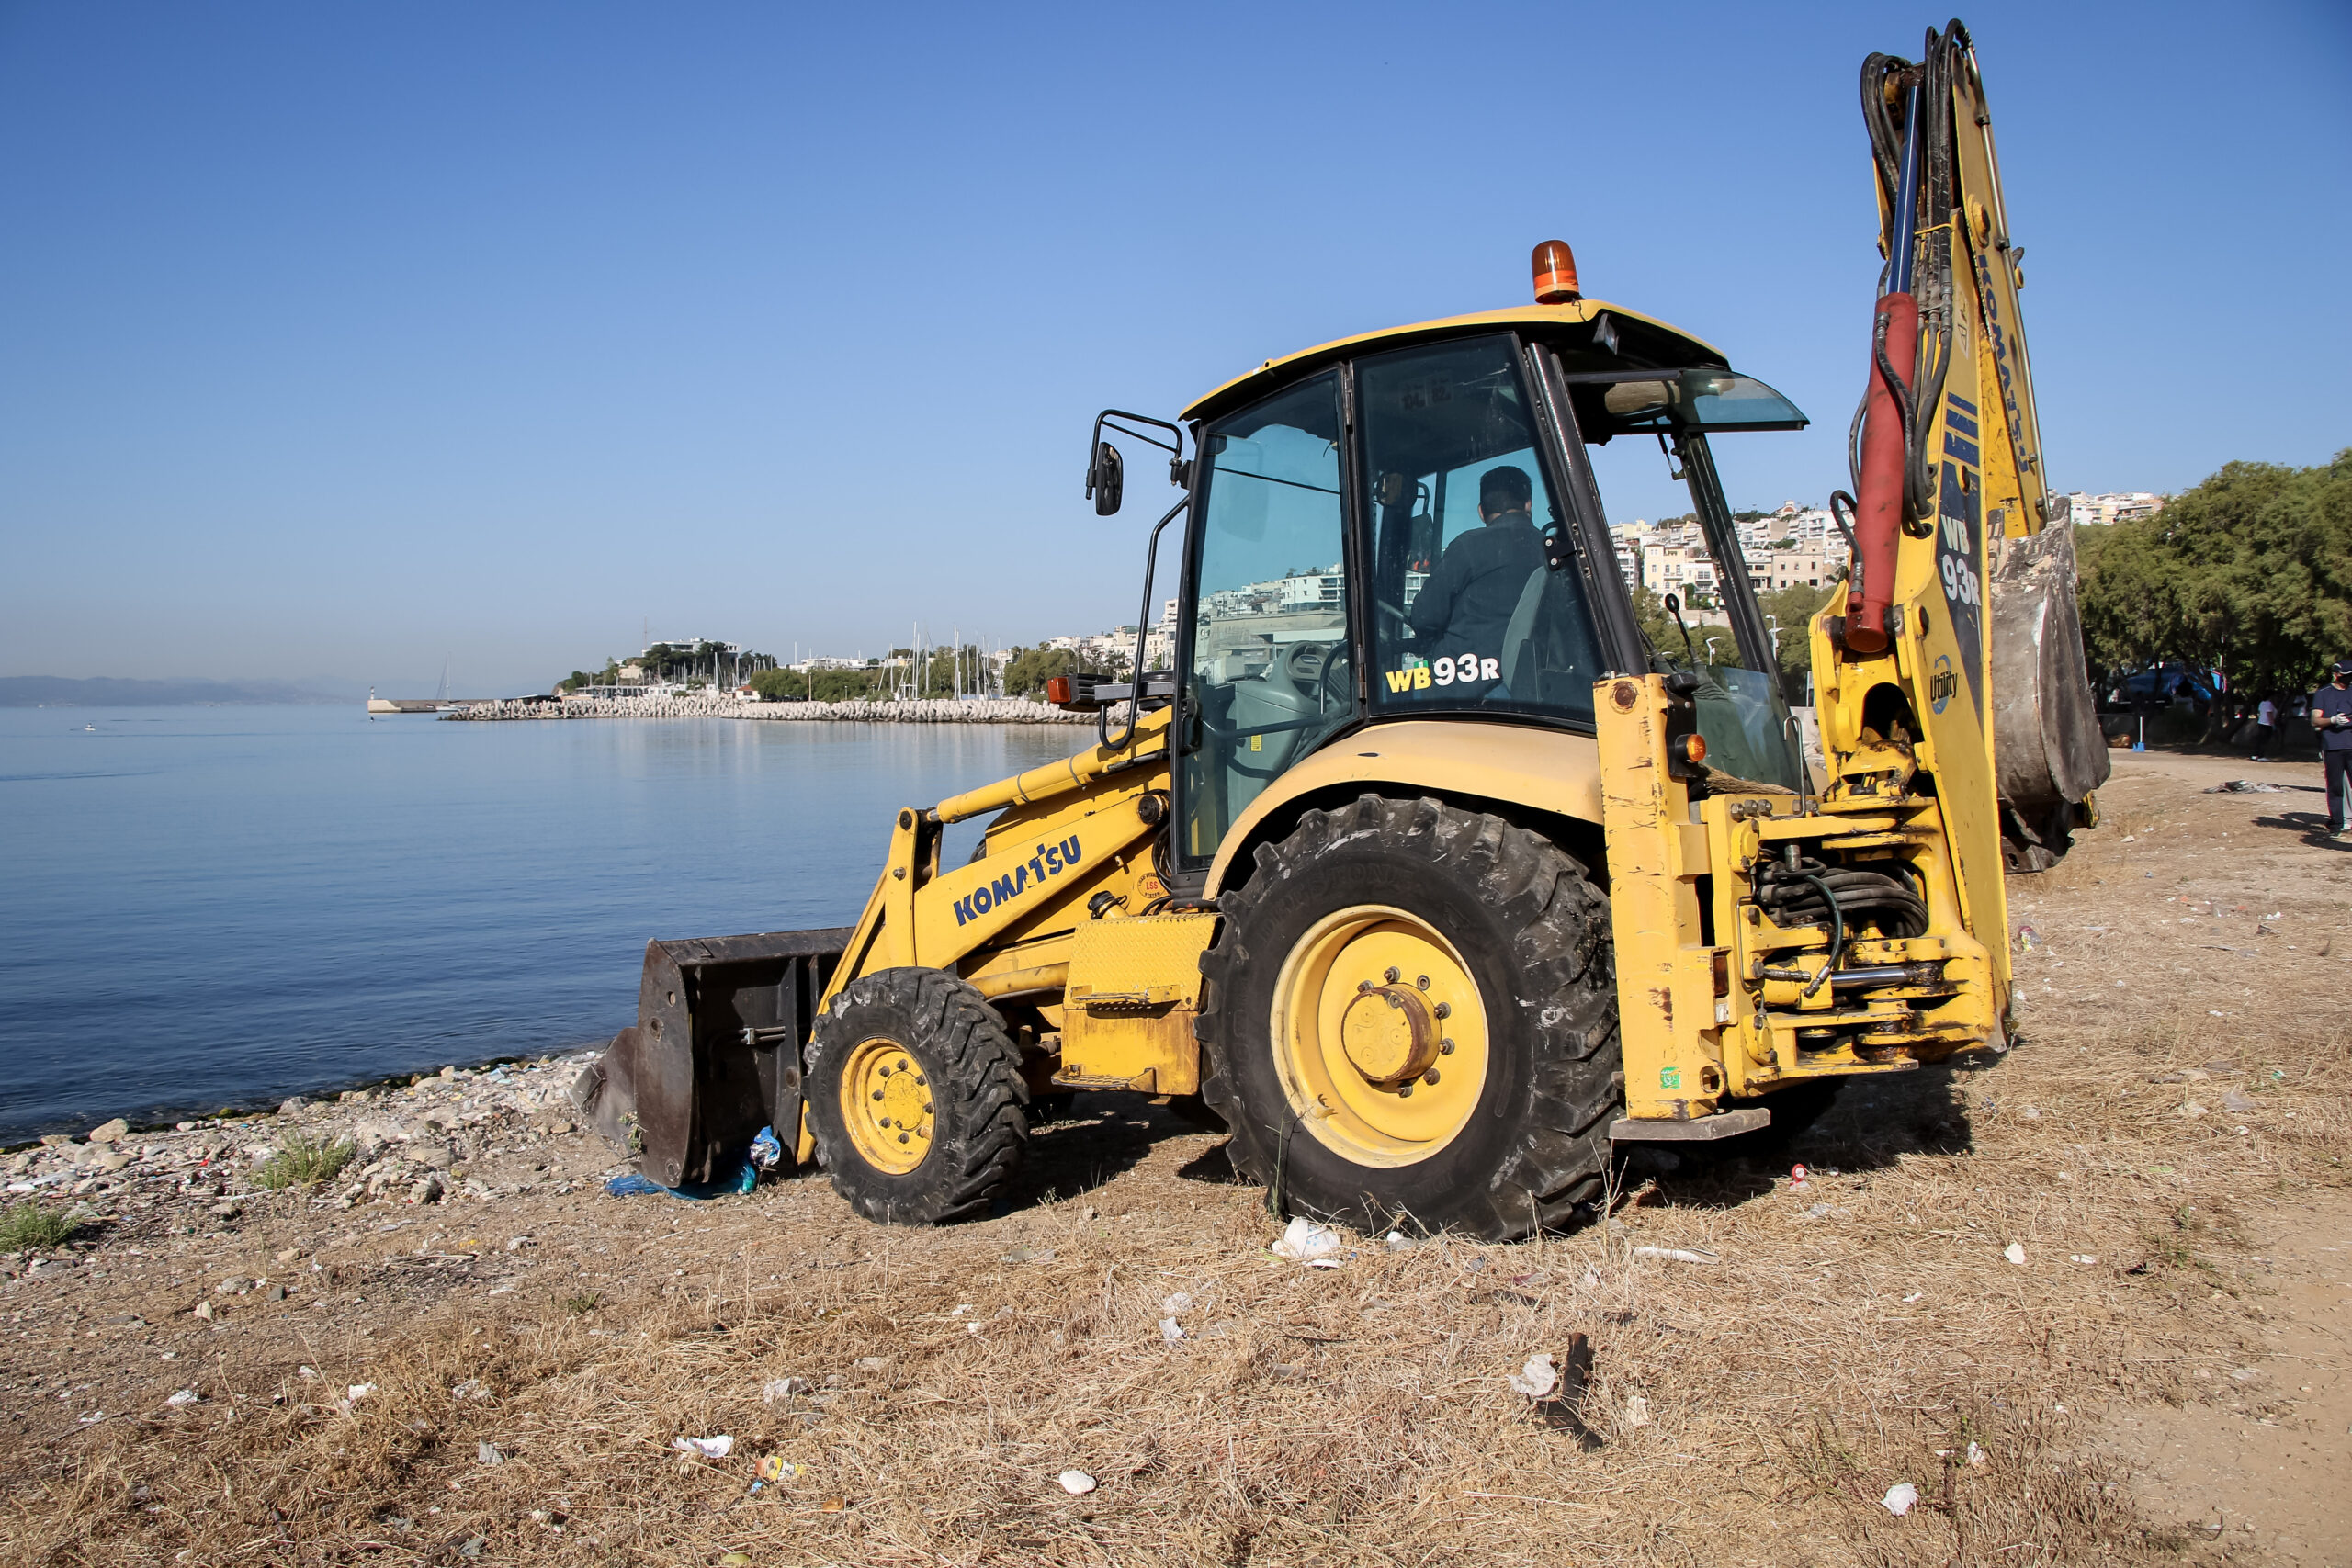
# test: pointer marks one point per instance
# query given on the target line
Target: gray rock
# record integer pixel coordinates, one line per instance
(433, 1155)
(293, 1107)
(110, 1132)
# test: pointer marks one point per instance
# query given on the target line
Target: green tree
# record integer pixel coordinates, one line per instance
(1029, 668)
(1794, 610)
(773, 685)
(2250, 572)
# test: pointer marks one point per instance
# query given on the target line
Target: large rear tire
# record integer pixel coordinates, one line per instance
(915, 1098)
(1411, 1019)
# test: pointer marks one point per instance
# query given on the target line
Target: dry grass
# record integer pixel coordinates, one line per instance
(1862, 1331)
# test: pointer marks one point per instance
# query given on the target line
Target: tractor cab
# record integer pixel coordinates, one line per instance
(1406, 525)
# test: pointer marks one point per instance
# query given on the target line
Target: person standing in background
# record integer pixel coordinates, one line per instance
(2265, 728)
(2332, 717)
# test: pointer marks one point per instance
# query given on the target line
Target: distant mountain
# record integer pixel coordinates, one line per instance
(105, 692)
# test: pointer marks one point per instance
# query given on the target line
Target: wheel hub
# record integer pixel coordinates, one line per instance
(886, 1103)
(1379, 1035)
(1389, 1035)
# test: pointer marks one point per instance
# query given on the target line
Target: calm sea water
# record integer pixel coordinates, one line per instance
(211, 906)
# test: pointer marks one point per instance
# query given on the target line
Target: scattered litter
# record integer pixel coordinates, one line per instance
(1077, 1483)
(708, 1448)
(765, 1150)
(1637, 1411)
(1591, 1280)
(2236, 1102)
(204, 1311)
(1976, 1455)
(1171, 1330)
(1902, 1495)
(1030, 1254)
(1178, 1304)
(2083, 1258)
(1538, 1378)
(781, 1389)
(2028, 939)
(470, 1389)
(2014, 1253)
(360, 1390)
(1796, 1176)
(2245, 1374)
(745, 1178)
(776, 1467)
(486, 1453)
(872, 1363)
(1914, 1296)
(2243, 787)
(184, 1396)
(1675, 1255)
(307, 1373)
(1307, 1242)
(1400, 1242)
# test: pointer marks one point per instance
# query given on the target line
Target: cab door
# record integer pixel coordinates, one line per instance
(1267, 668)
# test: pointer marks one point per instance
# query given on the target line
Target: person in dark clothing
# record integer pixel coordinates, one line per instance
(1461, 614)
(2332, 717)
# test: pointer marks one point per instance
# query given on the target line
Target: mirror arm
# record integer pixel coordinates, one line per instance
(1177, 468)
(1143, 625)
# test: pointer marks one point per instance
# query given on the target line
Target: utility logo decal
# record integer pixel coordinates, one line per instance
(1444, 673)
(1943, 684)
(1050, 860)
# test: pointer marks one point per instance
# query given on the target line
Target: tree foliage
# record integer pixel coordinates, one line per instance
(2250, 573)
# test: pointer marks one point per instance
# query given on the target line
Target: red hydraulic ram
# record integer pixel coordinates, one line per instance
(1890, 422)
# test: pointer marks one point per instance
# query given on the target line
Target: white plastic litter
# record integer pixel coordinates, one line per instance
(2014, 1253)
(1077, 1483)
(778, 1390)
(708, 1448)
(2083, 1258)
(1677, 1255)
(486, 1453)
(1899, 1498)
(1398, 1241)
(1176, 1305)
(1976, 1454)
(1308, 1243)
(1538, 1378)
(184, 1396)
(1637, 1411)
(1171, 1330)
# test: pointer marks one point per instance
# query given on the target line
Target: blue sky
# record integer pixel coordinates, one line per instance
(336, 340)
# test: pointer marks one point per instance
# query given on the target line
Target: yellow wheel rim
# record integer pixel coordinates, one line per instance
(886, 1104)
(1379, 1036)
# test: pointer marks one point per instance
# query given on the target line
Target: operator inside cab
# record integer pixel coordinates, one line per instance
(1463, 610)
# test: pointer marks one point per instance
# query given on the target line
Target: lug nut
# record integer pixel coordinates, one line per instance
(920, 1080)
(1423, 982)
(1430, 1076)
(1364, 985)
(882, 1121)
(877, 1094)
(1445, 1009)
(902, 1137)
(1392, 973)
(1406, 1092)
(1445, 1047)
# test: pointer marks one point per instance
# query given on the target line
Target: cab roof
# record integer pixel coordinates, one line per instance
(1639, 342)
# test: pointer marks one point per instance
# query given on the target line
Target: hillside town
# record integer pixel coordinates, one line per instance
(1792, 546)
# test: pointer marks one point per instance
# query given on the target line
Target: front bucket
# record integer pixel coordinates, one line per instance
(715, 1053)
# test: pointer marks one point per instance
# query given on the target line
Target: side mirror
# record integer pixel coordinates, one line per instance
(1105, 479)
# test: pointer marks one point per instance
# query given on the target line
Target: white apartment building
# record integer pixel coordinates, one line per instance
(2121, 506)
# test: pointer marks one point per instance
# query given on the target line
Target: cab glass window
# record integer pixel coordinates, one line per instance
(1268, 675)
(1465, 613)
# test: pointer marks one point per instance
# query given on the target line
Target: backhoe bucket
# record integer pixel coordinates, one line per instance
(2047, 744)
(715, 1053)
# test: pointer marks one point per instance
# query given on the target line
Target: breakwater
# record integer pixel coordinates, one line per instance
(1003, 710)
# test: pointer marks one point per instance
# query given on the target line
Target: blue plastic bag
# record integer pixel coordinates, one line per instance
(745, 1178)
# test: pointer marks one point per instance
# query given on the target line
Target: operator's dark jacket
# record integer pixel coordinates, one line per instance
(1466, 604)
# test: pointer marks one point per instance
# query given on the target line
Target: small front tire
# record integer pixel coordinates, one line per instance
(915, 1098)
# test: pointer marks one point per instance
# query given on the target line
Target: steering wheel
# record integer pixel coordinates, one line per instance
(1305, 663)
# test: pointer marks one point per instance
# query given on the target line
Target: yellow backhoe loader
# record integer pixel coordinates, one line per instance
(1423, 870)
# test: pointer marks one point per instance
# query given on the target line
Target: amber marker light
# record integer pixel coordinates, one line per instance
(1556, 273)
(1058, 690)
(1692, 746)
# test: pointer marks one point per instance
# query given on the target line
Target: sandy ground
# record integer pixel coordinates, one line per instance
(499, 1374)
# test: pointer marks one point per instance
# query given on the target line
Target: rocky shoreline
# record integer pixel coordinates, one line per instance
(462, 1135)
(996, 710)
